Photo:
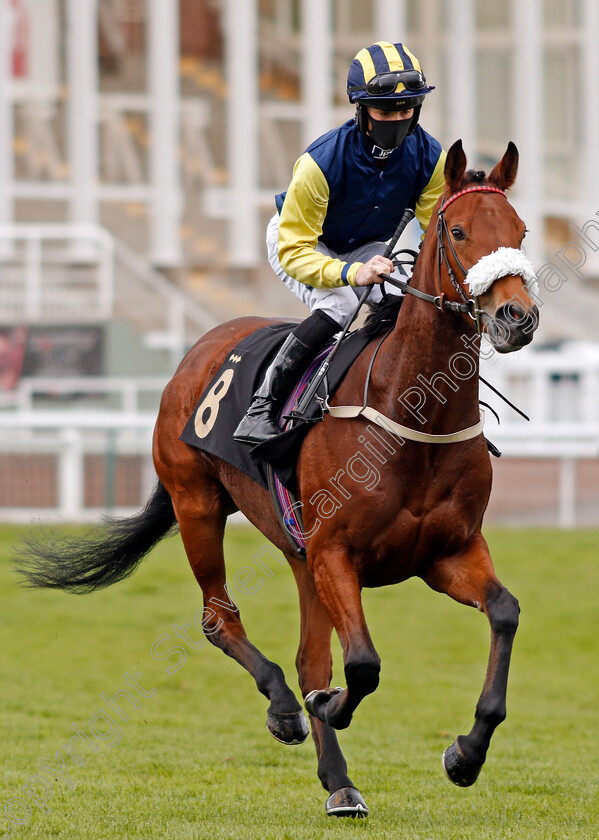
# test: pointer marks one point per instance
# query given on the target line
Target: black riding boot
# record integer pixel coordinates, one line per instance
(259, 423)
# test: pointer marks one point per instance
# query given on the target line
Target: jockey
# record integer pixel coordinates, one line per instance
(348, 193)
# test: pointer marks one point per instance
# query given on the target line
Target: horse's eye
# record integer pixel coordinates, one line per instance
(525, 232)
(458, 234)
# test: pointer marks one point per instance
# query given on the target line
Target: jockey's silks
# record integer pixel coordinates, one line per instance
(339, 195)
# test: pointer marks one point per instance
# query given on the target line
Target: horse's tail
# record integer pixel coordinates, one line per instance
(84, 564)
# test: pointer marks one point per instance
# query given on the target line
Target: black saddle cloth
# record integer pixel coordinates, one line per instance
(227, 397)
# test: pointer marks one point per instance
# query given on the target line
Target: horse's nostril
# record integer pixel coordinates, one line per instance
(514, 312)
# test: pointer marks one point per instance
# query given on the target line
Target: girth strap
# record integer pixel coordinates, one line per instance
(350, 411)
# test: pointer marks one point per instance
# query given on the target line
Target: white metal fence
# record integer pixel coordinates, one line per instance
(119, 393)
(56, 273)
(88, 276)
(559, 390)
(74, 465)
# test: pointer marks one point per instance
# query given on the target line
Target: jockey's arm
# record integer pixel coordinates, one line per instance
(300, 226)
(431, 193)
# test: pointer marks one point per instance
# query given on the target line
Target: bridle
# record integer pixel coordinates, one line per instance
(469, 305)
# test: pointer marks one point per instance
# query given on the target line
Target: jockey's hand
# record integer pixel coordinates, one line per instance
(371, 271)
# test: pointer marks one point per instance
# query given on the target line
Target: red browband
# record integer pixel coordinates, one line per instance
(481, 188)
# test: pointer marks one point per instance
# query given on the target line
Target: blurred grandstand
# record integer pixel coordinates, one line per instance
(141, 143)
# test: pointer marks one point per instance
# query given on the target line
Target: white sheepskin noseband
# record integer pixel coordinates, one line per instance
(501, 263)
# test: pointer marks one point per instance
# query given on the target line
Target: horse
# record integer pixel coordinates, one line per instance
(422, 518)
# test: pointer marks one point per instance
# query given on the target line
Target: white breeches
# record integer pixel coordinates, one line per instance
(338, 303)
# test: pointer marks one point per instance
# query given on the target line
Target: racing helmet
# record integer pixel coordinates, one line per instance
(387, 77)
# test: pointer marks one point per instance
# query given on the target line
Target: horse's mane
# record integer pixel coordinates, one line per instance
(383, 315)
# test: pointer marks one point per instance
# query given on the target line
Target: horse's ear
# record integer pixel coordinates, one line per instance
(455, 166)
(504, 174)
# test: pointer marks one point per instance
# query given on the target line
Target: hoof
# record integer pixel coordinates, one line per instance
(316, 701)
(346, 802)
(288, 729)
(459, 769)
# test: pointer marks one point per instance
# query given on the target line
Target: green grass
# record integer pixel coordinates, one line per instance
(196, 761)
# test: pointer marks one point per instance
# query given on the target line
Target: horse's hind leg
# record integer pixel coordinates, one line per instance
(201, 515)
(470, 579)
(314, 665)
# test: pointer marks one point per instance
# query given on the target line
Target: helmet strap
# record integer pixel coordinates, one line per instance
(361, 118)
(415, 119)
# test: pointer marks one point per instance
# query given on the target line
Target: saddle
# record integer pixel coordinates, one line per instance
(229, 393)
(271, 464)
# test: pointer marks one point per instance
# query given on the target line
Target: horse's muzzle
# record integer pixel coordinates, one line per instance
(512, 326)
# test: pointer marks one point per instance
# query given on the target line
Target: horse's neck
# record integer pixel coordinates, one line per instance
(427, 373)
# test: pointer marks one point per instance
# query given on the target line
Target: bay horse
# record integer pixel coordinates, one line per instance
(422, 518)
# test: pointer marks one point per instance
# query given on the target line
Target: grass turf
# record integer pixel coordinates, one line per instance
(194, 759)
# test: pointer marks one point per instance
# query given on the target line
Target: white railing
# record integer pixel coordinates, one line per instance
(74, 466)
(56, 272)
(65, 274)
(98, 459)
(568, 445)
(554, 387)
(559, 390)
(122, 394)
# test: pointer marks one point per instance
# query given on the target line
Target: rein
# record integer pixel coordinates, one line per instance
(470, 304)
(440, 301)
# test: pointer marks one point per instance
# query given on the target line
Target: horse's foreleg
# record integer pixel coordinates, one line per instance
(203, 540)
(470, 579)
(314, 666)
(339, 590)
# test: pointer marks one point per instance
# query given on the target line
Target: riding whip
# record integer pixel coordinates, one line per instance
(309, 393)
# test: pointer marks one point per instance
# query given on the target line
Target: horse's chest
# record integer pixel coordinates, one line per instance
(407, 549)
(426, 521)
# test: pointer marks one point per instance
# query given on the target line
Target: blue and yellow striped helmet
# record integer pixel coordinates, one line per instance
(387, 76)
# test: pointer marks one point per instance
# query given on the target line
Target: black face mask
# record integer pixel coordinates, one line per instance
(388, 134)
